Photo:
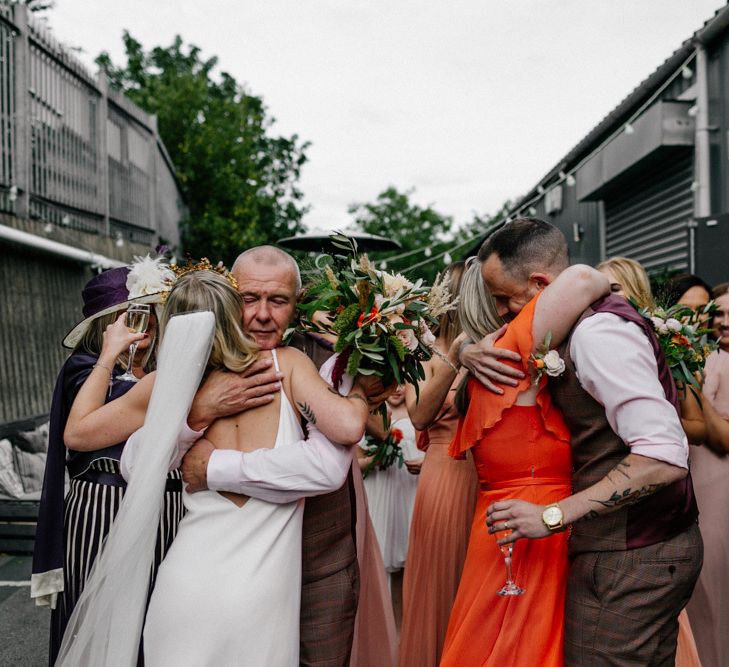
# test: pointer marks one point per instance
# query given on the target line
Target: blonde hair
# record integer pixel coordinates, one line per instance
(478, 316)
(633, 279)
(233, 349)
(93, 340)
(476, 307)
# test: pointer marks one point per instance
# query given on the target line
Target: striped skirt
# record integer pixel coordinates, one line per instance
(90, 507)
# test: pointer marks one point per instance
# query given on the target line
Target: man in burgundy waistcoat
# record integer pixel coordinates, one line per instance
(635, 546)
(269, 282)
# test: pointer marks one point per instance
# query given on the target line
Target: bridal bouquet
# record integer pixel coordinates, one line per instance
(385, 452)
(381, 320)
(684, 340)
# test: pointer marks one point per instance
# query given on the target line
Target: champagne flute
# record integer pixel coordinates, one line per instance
(137, 322)
(510, 587)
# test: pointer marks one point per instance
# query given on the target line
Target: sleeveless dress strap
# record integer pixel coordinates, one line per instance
(275, 360)
(486, 409)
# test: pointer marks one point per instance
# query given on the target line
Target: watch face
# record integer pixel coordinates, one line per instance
(552, 516)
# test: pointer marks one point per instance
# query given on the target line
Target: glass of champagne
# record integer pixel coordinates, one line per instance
(510, 587)
(137, 322)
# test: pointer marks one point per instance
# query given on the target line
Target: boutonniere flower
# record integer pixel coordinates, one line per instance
(546, 361)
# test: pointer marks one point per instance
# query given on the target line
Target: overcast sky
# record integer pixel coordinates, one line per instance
(467, 101)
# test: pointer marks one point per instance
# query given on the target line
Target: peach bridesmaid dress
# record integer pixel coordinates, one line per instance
(439, 532)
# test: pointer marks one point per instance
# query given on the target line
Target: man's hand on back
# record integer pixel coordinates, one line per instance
(195, 466)
(485, 362)
(225, 393)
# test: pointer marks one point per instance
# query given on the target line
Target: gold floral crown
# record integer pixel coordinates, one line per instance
(204, 265)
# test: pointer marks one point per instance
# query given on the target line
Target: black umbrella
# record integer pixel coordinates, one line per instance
(318, 240)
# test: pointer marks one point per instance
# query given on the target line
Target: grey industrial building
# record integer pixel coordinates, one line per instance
(651, 180)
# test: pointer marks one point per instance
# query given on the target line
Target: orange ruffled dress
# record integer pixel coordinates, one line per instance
(520, 452)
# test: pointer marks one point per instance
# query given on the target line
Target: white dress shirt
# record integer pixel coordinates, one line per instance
(616, 365)
(290, 471)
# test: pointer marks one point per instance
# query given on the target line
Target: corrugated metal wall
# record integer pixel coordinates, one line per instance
(647, 220)
(42, 306)
(7, 109)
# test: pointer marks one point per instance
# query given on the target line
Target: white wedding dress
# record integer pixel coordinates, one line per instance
(228, 592)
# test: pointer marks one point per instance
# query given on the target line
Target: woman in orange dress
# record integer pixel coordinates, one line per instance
(520, 445)
(444, 503)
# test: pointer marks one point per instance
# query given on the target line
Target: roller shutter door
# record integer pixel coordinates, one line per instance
(647, 219)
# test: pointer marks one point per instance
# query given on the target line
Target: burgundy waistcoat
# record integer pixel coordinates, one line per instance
(597, 449)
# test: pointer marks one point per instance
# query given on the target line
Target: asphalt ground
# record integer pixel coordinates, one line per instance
(23, 626)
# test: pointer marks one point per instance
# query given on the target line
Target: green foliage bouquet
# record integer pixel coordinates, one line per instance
(385, 452)
(381, 320)
(684, 340)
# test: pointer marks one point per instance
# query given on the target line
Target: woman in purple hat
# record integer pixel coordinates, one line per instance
(70, 531)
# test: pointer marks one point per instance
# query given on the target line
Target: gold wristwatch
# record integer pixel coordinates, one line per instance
(552, 517)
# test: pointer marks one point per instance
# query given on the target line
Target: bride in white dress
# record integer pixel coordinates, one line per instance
(228, 592)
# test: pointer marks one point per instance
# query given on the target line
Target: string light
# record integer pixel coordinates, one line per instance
(66, 220)
(694, 186)
(427, 252)
(447, 259)
(569, 178)
(48, 228)
(13, 193)
(119, 240)
(693, 110)
(532, 211)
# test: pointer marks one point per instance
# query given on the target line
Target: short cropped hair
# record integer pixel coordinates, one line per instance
(526, 245)
(268, 254)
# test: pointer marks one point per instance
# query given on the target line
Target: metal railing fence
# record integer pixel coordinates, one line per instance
(72, 152)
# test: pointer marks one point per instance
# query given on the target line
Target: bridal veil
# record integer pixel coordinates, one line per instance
(106, 625)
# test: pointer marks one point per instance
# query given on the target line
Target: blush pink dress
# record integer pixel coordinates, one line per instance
(375, 634)
(708, 609)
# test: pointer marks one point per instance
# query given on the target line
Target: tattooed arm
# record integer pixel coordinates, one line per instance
(634, 478)
(617, 367)
(340, 418)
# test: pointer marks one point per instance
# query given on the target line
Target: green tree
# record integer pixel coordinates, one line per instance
(416, 228)
(469, 236)
(239, 179)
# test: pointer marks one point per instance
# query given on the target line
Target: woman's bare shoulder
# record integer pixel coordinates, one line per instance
(290, 357)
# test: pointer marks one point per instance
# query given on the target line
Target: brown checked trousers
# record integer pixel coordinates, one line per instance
(622, 606)
(330, 576)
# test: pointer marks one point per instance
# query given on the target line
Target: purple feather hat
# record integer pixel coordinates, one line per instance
(145, 281)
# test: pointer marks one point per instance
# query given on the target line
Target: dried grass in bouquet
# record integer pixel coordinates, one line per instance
(381, 320)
